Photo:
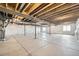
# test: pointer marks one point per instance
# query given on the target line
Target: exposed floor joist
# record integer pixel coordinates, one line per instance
(72, 11)
(26, 7)
(50, 10)
(52, 13)
(33, 8)
(16, 6)
(42, 9)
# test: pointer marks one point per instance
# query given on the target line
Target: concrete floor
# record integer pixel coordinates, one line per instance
(44, 45)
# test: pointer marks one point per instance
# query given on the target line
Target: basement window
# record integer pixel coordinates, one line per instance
(66, 28)
(44, 29)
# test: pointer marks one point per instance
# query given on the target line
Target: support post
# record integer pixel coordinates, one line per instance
(24, 30)
(49, 28)
(41, 29)
(35, 32)
(2, 31)
(76, 29)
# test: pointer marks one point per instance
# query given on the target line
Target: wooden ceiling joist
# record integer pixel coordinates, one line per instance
(42, 9)
(50, 9)
(16, 6)
(33, 8)
(6, 5)
(26, 7)
(68, 11)
(23, 5)
(38, 8)
(52, 13)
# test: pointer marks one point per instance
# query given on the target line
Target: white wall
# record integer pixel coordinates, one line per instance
(13, 29)
(59, 29)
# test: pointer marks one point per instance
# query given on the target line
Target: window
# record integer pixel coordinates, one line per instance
(66, 28)
(44, 29)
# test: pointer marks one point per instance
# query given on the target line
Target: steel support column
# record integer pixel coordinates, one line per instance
(41, 29)
(76, 29)
(49, 28)
(35, 31)
(2, 31)
(24, 30)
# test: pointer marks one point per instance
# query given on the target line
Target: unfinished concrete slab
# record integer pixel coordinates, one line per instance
(11, 47)
(40, 47)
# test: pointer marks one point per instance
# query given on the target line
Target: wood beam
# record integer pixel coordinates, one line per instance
(42, 9)
(69, 11)
(12, 11)
(33, 8)
(26, 7)
(51, 14)
(16, 6)
(7, 5)
(50, 9)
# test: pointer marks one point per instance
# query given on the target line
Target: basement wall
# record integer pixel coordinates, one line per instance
(14, 29)
(58, 29)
